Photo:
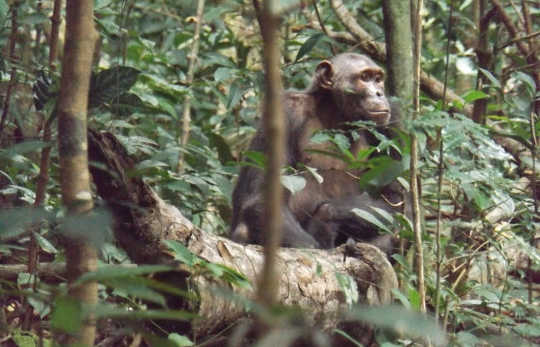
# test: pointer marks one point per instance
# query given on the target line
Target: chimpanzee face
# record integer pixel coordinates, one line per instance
(357, 87)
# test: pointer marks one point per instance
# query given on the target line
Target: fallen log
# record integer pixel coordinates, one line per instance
(310, 279)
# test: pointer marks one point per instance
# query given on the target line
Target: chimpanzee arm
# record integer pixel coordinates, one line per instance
(334, 222)
(248, 197)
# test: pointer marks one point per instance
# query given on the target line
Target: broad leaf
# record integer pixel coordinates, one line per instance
(110, 84)
(308, 45)
(293, 183)
(370, 218)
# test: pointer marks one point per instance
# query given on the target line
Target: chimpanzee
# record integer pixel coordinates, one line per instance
(346, 88)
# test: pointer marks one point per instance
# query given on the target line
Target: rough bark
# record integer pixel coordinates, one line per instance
(397, 30)
(274, 130)
(81, 256)
(307, 278)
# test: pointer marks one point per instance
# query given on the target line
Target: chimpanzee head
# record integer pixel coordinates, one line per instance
(356, 86)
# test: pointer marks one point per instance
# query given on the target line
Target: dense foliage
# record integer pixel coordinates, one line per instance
(488, 258)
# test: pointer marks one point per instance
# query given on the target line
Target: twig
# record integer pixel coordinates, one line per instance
(414, 160)
(55, 29)
(441, 173)
(186, 116)
(521, 38)
(321, 23)
(509, 26)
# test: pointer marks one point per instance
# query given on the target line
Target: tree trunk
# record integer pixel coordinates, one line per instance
(308, 278)
(72, 107)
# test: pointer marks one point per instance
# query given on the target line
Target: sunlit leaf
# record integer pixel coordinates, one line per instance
(293, 183)
(370, 218)
(383, 213)
(474, 95)
(315, 174)
(494, 81)
(180, 340)
(44, 244)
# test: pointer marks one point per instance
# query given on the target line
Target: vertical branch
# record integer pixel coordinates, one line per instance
(72, 106)
(55, 29)
(275, 139)
(43, 177)
(440, 168)
(417, 224)
(12, 58)
(323, 27)
(186, 116)
(484, 59)
(398, 35)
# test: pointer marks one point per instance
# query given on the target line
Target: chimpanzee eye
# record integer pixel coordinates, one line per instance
(365, 76)
(378, 78)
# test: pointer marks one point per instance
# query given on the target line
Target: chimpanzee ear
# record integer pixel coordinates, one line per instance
(324, 73)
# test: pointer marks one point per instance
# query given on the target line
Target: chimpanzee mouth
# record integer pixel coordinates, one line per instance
(381, 113)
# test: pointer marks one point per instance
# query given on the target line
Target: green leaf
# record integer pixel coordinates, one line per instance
(474, 95)
(494, 81)
(401, 297)
(180, 340)
(367, 216)
(110, 84)
(387, 216)
(181, 253)
(293, 183)
(414, 299)
(126, 104)
(384, 170)
(223, 74)
(224, 150)
(67, 315)
(308, 45)
(528, 81)
(23, 338)
(320, 137)
(44, 244)
(235, 94)
(254, 158)
(342, 142)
